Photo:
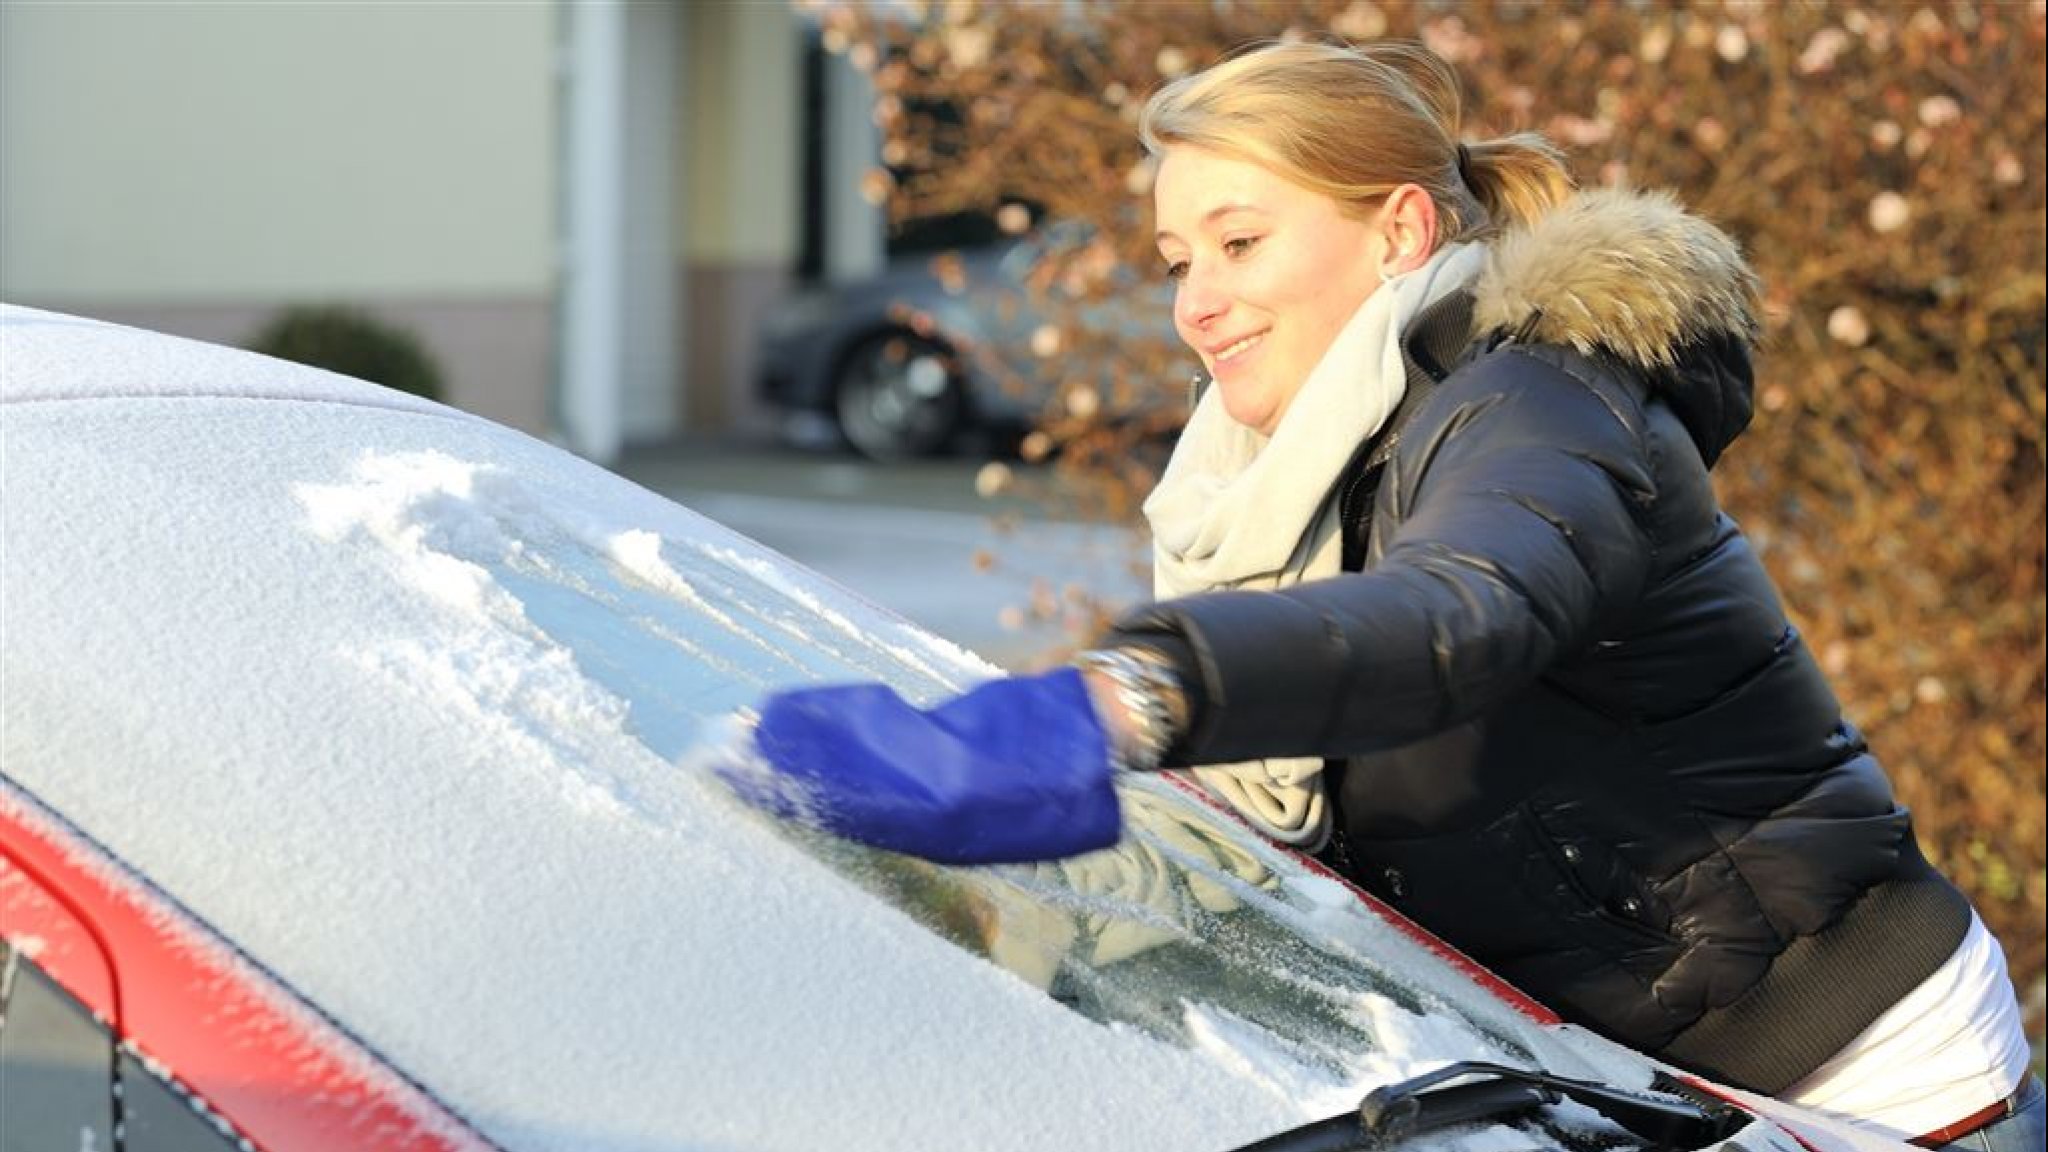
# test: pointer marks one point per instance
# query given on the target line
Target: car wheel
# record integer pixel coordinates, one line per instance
(898, 394)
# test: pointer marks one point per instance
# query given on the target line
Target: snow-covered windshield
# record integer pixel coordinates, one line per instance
(1185, 930)
(407, 707)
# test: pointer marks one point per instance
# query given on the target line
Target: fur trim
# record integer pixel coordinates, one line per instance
(1630, 272)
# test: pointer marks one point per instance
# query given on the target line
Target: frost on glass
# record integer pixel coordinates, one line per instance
(1190, 929)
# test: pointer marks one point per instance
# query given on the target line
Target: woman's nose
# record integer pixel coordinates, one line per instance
(1199, 301)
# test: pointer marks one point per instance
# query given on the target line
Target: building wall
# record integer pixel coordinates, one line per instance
(195, 166)
(740, 194)
(654, 383)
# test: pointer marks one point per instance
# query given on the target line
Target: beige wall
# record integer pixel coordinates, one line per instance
(192, 167)
(739, 172)
(739, 98)
(160, 151)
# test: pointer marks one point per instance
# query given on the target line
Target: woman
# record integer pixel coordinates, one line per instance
(1446, 598)
(1580, 740)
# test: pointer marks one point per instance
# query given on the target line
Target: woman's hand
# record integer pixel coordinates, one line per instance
(1139, 701)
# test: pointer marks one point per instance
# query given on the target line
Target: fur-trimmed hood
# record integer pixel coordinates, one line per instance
(1633, 275)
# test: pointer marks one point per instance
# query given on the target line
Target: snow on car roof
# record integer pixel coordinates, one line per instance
(52, 356)
(280, 640)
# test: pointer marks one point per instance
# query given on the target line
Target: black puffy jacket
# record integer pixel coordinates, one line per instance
(1577, 736)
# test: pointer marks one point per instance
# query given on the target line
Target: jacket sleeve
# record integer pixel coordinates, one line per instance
(1520, 492)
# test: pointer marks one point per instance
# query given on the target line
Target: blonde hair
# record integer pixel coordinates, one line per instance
(1356, 122)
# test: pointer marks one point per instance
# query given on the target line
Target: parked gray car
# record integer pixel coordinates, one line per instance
(903, 363)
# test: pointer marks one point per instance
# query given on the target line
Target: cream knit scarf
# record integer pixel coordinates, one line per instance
(1236, 510)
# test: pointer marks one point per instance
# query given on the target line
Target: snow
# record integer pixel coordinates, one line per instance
(409, 707)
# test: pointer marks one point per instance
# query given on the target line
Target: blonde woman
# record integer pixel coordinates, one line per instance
(1446, 598)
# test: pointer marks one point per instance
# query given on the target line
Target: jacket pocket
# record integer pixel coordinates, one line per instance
(1512, 889)
(1532, 905)
(1599, 878)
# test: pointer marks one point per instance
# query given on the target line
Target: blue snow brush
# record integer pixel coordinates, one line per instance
(1017, 769)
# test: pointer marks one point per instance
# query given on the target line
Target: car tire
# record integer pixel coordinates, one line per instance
(897, 394)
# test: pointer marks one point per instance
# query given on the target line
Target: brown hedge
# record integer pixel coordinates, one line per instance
(1882, 166)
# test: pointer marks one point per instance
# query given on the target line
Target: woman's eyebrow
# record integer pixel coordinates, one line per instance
(1210, 217)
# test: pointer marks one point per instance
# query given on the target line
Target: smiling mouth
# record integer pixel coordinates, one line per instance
(1239, 348)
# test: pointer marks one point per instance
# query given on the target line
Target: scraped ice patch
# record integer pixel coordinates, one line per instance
(399, 502)
(429, 514)
(639, 552)
(776, 577)
(577, 624)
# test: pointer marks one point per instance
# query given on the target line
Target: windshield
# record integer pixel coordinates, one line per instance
(1190, 929)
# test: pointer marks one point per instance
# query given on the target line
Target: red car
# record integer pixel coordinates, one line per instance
(352, 796)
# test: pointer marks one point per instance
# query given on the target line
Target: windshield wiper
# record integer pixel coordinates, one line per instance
(1394, 1112)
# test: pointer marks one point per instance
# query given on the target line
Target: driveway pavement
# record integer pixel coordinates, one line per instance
(999, 576)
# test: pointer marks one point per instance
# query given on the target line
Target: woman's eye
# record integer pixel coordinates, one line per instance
(1239, 245)
(1177, 270)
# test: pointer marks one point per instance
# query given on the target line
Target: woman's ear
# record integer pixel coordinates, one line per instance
(1407, 230)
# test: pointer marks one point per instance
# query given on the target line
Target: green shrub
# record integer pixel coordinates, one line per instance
(354, 343)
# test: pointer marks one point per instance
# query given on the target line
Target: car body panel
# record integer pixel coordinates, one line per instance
(407, 711)
(271, 1071)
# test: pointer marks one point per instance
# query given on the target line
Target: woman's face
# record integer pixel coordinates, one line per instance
(1268, 272)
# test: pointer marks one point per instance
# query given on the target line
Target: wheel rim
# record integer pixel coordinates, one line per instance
(897, 396)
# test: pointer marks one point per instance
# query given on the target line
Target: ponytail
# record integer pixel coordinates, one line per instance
(1515, 179)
